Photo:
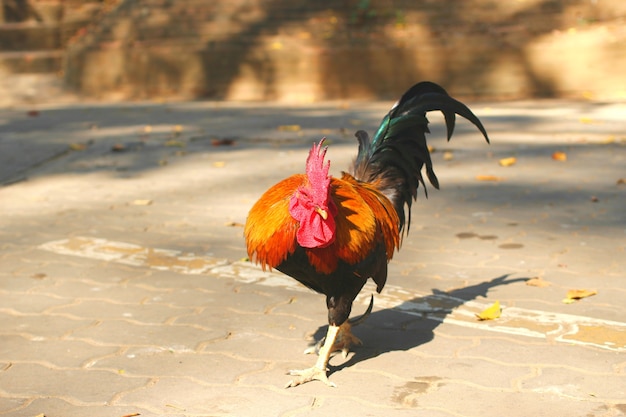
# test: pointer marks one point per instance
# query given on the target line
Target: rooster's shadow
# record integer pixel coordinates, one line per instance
(409, 325)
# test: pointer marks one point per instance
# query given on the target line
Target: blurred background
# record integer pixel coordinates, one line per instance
(306, 51)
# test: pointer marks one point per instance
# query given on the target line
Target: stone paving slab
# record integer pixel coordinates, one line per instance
(123, 289)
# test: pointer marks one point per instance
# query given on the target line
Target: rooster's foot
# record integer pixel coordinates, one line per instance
(307, 375)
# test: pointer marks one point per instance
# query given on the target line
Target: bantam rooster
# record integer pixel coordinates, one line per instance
(332, 234)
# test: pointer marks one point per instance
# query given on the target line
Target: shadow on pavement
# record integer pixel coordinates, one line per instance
(392, 330)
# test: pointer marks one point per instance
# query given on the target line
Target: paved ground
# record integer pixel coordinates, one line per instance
(124, 288)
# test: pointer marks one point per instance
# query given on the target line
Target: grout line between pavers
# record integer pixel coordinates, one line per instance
(562, 328)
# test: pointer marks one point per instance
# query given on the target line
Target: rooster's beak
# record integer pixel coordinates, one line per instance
(322, 212)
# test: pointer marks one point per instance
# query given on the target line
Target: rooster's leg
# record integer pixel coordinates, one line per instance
(345, 338)
(317, 372)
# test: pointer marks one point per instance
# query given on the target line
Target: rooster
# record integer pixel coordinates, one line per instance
(332, 234)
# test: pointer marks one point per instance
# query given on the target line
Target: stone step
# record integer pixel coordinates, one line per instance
(47, 61)
(34, 36)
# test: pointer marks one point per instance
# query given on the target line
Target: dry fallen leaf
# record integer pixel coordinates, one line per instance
(491, 312)
(289, 128)
(578, 294)
(573, 295)
(175, 143)
(559, 156)
(488, 178)
(219, 164)
(222, 142)
(538, 282)
(141, 202)
(610, 139)
(507, 162)
(78, 146)
(118, 147)
(448, 156)
(621, 181)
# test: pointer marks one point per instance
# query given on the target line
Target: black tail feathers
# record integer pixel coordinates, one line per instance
(394, 158)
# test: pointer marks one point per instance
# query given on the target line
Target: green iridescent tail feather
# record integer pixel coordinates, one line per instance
(394, 158)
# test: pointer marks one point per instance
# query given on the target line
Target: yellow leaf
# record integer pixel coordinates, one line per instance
(507, 162)
(610, 139)
(538, 282)
(589, 121)
(289, 128)
(448, 156)
(559, 156)
(491, 312)
(488, 178)
(573, 295)
(78, 146)
(142, 202)
(175, 143)
(219, 164)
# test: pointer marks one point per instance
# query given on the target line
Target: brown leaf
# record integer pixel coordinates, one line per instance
(559, 156)
(538, 282)
(33, 113)
(621, 181)
(222, 142)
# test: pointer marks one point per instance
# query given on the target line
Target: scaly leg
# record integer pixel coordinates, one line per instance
(345, 337)
(317, 372)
